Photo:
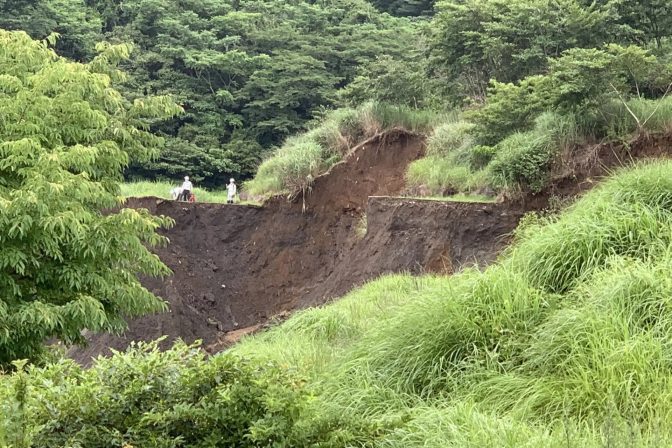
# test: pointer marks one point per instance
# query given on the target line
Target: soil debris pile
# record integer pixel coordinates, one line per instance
(237, 266)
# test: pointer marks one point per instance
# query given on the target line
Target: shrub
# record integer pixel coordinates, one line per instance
(510, 108)
(480, 156)
(14, 425)
(579, 82)
(522, 160)
(159, 399)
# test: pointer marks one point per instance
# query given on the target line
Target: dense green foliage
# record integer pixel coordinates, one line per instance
(78, 26)
(145, 398)
(405, 7)
(612, 93)
(248, 74)
(545, 77)
(65, 137)
(507, 40)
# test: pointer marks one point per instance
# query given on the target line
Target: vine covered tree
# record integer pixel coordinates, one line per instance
(68, 263)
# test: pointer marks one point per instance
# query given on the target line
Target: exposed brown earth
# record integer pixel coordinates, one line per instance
(235, 266)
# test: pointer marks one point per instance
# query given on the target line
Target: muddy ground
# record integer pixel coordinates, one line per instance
(236, 266)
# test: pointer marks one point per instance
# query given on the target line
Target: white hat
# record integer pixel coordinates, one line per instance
(186, 177)
(231, 180)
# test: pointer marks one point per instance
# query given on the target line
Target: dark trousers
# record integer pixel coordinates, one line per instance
(184, 196)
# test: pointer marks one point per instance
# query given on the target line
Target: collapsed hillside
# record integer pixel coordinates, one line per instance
(238, 266)
(563, 342)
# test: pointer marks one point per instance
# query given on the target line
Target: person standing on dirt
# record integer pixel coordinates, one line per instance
(186, 189)
(231, 191)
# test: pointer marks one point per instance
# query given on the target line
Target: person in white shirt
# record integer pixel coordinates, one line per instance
(231, 191)
(186, 189)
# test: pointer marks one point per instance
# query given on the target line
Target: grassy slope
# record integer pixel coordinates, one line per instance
(566, 341)
(293, 166)
(455, 162)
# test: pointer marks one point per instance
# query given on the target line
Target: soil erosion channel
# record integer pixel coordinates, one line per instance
(237, 266)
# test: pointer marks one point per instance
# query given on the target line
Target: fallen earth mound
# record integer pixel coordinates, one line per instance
(237, 267)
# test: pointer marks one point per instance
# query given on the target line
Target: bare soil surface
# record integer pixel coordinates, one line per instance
(237, 267)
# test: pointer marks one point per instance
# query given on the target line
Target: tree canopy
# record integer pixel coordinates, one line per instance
(248, 73)
(474, 41)
(67, 262)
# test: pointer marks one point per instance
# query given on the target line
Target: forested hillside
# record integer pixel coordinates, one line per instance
(251, 73)
(248, 74)
(564, 340)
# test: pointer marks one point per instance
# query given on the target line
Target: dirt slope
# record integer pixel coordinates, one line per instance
(237, 266)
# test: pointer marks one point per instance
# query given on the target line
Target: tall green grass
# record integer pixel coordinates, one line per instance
(523, 160)
(294, 165)
(566, 341)
(614, 120)
(442, 176)
(446, 169)
(449, 138)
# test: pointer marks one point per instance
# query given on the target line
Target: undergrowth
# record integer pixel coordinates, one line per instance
(522, 160)
(148, 398)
